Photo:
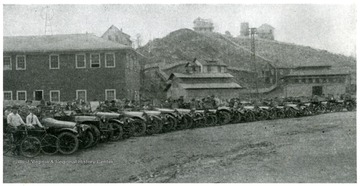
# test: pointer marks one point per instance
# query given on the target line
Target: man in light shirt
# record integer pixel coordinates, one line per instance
(32, 119)
(13, 119)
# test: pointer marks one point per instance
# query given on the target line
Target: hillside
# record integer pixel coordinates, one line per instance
(186, 44)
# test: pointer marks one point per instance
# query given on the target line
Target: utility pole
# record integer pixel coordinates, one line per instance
(253, 59)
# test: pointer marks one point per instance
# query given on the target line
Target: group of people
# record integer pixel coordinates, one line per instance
(14, 120)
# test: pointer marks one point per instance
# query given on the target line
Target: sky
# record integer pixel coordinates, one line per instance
(327, 27)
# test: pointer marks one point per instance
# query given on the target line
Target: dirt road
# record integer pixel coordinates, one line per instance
(312, 149)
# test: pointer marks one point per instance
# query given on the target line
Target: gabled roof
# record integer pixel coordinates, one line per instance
(200, 75)
(118, 31)
(58, 43)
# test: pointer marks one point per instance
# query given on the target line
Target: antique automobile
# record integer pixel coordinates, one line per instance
(102, 128)
(184, 118)
(154, 123)
(138, 122)
(223, 115)
(70, 134)
(181, 118)
(247, 112)
(169, 119)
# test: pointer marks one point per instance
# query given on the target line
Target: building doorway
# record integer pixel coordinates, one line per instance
(317, 90)
(38, 95)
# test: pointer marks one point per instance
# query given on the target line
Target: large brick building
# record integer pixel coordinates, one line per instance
(67, 67)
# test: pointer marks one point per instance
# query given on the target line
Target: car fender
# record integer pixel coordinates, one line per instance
(72, 130)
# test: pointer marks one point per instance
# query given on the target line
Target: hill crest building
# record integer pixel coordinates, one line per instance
(61, 68)
(203, 25)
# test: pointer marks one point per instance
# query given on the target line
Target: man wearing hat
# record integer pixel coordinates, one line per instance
(32, 119)
(14, 119)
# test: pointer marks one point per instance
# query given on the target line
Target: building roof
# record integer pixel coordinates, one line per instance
(201, 75)
(57, 43)
(206, 62)
(118, 31)
(211, 86)
(325, 72)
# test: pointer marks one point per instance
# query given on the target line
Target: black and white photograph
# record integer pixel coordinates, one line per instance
(189, 92)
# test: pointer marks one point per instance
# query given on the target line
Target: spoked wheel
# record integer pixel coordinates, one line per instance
(139, 127)
(49, 144)
(96, 135)
(182, 124)
(68, 143)
(199, 120)
(30, 147)
(250, 116)
(223, 117)
(118, 132)
(129, 129)
(289, 113)
(154, 126)
(211, 120)
(236, 117)
(106, 134)
(169, 123)
(86, 139)
(189, 121)
(280, 114)
(261, 115)
(272, 115)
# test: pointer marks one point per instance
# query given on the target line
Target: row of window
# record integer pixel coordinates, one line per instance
(54, 61)
(21, 95)
(318, 80)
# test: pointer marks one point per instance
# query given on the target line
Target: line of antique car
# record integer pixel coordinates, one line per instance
(76, 130)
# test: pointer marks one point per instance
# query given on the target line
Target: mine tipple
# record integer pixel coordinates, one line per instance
(74, 129)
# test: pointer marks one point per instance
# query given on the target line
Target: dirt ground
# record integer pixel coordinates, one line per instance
(311, 149)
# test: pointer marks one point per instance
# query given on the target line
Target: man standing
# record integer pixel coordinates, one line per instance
(32, 119)
(13, 119)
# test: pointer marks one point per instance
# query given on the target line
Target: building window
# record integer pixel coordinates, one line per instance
(7, 95)
(21, 95)
(54, 61)
(109, 60)
(95, 60)
(80, 61)
(7, 63)
(110, 94)
(54, 95)
(317, 80)
(81, 94)
(20, 62)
